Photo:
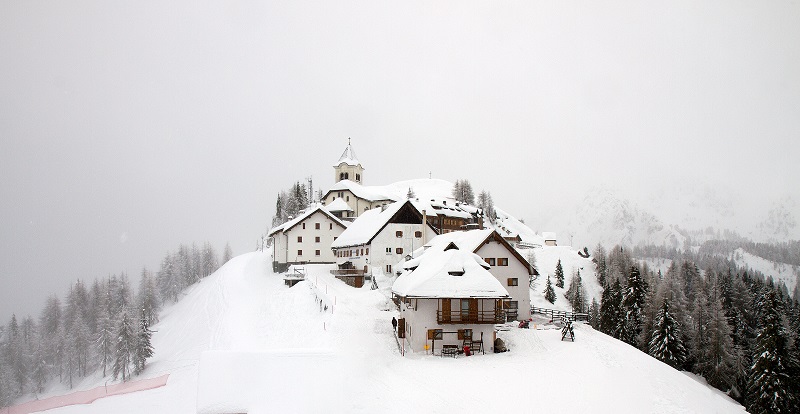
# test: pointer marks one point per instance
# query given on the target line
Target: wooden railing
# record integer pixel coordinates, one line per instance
(492, 316)
(347, 272)
(555, 313)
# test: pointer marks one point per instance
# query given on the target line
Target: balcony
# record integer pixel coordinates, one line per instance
(478, 317)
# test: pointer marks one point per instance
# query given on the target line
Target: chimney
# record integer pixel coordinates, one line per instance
(424, 225)
(480, 222)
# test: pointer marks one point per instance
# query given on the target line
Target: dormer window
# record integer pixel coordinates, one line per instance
(456, 273)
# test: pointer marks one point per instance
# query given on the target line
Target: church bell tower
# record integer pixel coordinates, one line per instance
(348, 167)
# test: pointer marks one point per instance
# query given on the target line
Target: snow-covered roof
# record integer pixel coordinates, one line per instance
(449, 274)
(470, 240)
(368, 225)
(309, 211)
(371, 193)
(338, 205)
(348, 157)
(548, 235)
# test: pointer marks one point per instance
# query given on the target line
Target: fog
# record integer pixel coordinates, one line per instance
(128, 128)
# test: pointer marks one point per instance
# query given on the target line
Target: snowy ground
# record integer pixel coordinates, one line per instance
(246, 310)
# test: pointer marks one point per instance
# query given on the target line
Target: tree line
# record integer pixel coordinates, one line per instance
(732, 326)
(103, 327)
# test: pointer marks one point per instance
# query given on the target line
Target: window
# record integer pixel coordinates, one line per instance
(435, 334)
(317, 252)
(348, 198)
(490, 260)
(388, 250)
(398, 233)
(503, 261)
(316, 239)
(464, 334)
(513, 305)
(418, 234)
(299, 252)
(388, 268)
(299, 239)
(331, 226)
(304, 226)
(316, 226)
(367, 251)
(513, 281)
(398, 250)
(358, 177)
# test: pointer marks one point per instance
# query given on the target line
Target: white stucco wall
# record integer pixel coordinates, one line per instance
(424, 317)
(359, 205)
(287, 246)
(387, 238)
(520, 293)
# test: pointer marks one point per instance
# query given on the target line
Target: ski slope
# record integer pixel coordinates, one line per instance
(245, 315)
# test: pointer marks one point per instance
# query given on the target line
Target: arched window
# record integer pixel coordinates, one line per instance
(346, 176)
(341, 177)
(358, 177)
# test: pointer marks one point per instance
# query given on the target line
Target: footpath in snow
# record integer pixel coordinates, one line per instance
(346, 359)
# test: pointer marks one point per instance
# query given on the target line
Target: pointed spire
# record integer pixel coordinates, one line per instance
(348, 156)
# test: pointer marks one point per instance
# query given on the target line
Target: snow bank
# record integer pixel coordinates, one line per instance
(288, 380)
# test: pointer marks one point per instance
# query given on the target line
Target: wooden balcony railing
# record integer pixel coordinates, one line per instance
(348, 272)
(492, 316)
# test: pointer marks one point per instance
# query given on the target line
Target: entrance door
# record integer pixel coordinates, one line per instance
(446, 309)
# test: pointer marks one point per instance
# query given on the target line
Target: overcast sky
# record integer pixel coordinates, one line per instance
(128, 128)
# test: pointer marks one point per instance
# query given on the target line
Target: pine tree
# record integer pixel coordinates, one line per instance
(533, 273)
(717, 363)
(594, 314)
(633, 304)
(125, 346)
(144, 349)
(227, 255)
(666, 344)
(147, 299)
(770, 379)
(549, 293)
(611, 309)
(104, 341)
(575, 292)
(559, 275)
(599, 259)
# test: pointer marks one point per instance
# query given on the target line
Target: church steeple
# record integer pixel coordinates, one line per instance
(348, 167)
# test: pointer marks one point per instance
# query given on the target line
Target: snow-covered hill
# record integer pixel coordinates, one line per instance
(246, 310)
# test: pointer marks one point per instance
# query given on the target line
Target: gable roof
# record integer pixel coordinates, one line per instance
(308, 212)
(370, 223)
(452, 273)
(338, 205)
(473, 240)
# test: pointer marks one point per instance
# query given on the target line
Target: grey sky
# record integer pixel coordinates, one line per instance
(128, 128)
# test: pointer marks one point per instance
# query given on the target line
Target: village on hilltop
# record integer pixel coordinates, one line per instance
(455, 270)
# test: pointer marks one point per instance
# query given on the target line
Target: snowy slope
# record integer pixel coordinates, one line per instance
(546, 260)
(780, 272)
(246, 310)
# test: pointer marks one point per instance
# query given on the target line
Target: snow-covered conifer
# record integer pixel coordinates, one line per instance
(633, 303)
(144, 349)
(126, 338)
(559, 275)
(549, 293)
(770, 386)
(666, 344)
(227, 254)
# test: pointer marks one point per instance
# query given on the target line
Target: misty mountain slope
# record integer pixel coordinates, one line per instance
(669, 216)
(245, 308)
(780, 272)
